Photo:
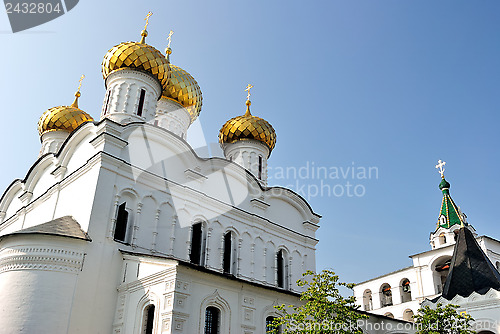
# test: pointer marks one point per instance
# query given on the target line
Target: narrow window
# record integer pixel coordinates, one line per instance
(121, 223)
(386, 295)
(106, 106)
(212, 316)
(149, 318)
(227, 253)
(260, 167)
(196, 244)
(270, 328)
(442, 239)
(281, 270)
(141, 102)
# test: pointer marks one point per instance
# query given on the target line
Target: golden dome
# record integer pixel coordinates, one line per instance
(138, 56)
(63, 118)
(183, 88)
(247, 127)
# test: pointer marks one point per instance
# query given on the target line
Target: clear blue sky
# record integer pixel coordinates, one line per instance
(394, 85)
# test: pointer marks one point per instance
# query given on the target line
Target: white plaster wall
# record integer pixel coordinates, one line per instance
(246, 153)
(95, 171)
(172, 116)
(38, 276)
(123, 88)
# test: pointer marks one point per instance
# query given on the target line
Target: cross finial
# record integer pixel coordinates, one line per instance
(248, 90)
(147, 20)
(80, 84)
(169, 38)
(440, 166)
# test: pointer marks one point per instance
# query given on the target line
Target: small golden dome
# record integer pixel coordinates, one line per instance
(247, 127)
(63, 118)
(183, 88)
(138, 56)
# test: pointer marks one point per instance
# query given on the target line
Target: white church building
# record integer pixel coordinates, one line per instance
(120, 227)
(454, 246)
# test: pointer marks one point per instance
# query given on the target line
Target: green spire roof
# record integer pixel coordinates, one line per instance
(449, 210)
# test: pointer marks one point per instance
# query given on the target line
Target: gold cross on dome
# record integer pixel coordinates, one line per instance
(440, 166)
(80, 84)
(248, 90)
(169, 38)
(147, 20)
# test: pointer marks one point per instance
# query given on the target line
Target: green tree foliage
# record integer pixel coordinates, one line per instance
(443, 320)
(323, 309)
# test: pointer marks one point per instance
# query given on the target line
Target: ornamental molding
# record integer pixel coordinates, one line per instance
(41, 258)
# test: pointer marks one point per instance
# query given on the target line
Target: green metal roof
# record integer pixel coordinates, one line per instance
(448, 208)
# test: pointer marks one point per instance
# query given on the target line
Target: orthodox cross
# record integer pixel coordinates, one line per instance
(80, 84)
(248, 90)
(440, 166)
(147, 19)
(169, 38)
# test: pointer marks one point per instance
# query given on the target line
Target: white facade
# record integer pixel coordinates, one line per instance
(388, 295)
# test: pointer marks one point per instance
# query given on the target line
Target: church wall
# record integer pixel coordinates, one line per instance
(181, 295)
(394, 280)
(150, 225)
(38, 276)
(423, 278)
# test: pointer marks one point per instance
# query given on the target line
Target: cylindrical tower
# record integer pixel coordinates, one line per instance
(135, 75)
(181, 100)
(248, 141)
(56, 124)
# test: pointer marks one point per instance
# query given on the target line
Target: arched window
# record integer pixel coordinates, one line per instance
(405, 290)
(282, 269)
(442, 239)
(197, 255)
(230, 254)
(121, 224)
(367, 300)
(390, 315)
(385, 295)
(498, 265)
(141, 102)
(408, 315)
(148, 319)
(442, 220)
(441, 270)
(270, 328)
(212, 318)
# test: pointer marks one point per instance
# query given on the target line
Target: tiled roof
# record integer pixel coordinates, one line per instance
(65, 226)
(470, 269)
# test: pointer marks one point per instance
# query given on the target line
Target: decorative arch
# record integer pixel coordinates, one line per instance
(440, 268)
(405, 290)
(385, 295)
(148, 299)
(408, 315)
(367, 300)
(217, 301)
(269, 311)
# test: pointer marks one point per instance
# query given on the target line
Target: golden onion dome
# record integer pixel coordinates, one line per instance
(63, 118)
(183, 88)
(247, 127)
(139, 56)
